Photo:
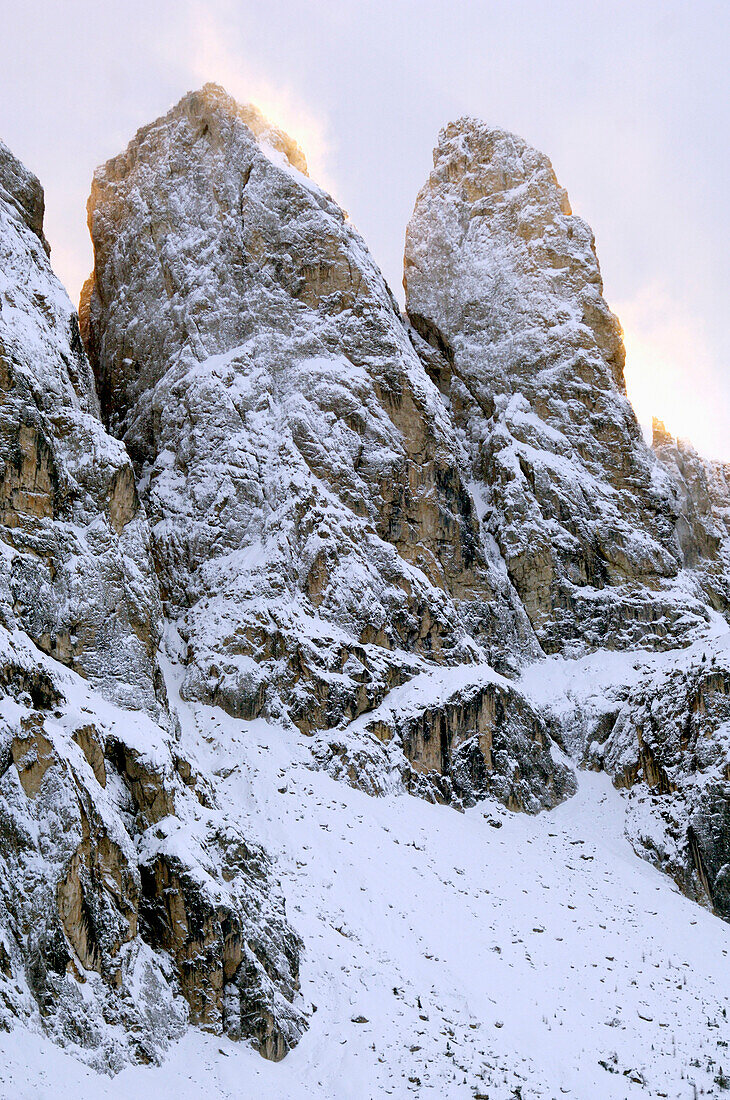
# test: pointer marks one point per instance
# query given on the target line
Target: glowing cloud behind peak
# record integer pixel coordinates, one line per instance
(213, 57)
(670, 369)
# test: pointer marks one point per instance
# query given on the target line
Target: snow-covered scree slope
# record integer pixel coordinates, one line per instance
(123, 891)
(503, 282)
(449, 955)
(659, 724)
(313, 535)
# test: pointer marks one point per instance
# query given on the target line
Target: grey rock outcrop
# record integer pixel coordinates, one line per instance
(702, 489)
(503, 282)
(128, 906)
(314, 538)
(667, 742)
(457, 737)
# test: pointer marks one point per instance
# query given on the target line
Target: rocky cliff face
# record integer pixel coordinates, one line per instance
(503, 282)
(340, 504)
(702, 492)
(128, 906)
(77, 575)
(312, 532)
(666, 740)
(359, 526)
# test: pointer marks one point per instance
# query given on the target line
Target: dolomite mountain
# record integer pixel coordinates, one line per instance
(503, 280)
(127, 902)
(431, 550)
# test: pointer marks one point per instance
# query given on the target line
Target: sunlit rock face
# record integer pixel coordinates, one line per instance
(503, 282)
(128, 905)
(313, 535)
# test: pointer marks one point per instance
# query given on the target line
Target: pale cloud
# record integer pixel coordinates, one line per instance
(72, 258)
(671, 370)
(214, 52)
(627, 99)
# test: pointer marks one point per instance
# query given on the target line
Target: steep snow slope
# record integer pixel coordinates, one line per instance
(452, 955)
(659, 724)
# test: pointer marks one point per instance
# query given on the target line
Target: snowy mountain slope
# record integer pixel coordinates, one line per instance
(659, 724)
(446, 956)
(349, 520)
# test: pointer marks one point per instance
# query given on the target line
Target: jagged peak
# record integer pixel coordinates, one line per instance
(662, 437)
(659, 434)
(478, 146)
(211, 108)
(23, 190)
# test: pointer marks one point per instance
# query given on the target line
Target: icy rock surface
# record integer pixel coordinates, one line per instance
(702, 491)
(502, 281)
(313, 536)
(128, 905)
(77, 575)
(667, 741)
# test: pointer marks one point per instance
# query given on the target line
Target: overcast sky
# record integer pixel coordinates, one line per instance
(631, 100)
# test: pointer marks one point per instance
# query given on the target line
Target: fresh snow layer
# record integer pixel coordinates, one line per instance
(448, 954)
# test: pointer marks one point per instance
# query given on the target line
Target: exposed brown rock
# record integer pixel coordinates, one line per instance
(309, 513)
(32, 754)
(503, 286)
(88, 740)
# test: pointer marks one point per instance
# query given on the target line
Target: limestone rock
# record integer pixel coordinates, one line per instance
(455, 737)
(94, 799)
(118, 874)
(503, 283)
(77, 575)
(315, 540)
(667, 742)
